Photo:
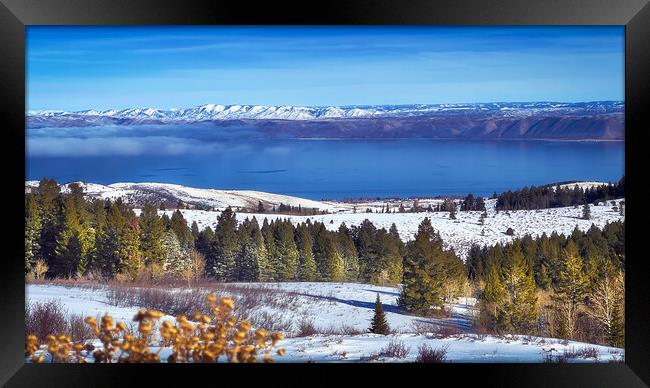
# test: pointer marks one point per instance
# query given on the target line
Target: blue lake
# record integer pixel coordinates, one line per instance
(336, 169)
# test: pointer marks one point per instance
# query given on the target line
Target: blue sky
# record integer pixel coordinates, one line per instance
(76, 68)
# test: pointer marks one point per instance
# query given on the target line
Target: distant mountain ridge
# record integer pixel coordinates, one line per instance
(598, 120)
(287, 112)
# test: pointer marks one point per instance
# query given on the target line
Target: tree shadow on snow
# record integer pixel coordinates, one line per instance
(383, 292)
(357, 303)
(456, 320)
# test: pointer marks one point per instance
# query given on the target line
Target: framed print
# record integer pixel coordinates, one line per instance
(370, 187)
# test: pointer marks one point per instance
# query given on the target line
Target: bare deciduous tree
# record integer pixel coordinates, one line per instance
(40, 269)
(195, 268)
(607, 293)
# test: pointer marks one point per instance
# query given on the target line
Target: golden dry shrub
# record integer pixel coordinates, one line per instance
(204, 339)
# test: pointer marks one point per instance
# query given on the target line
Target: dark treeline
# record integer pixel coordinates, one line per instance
(559, 286)
(530, 198)
(284, 209)
(472, 203)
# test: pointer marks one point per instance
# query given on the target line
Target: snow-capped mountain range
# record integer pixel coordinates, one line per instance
(284, 112)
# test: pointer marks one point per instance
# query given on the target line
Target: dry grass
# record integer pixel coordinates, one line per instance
(395, 349)
(586, 352)
(44, 318)
(273, 322)
(434, 330)
(171, 302)
(427, 354)
(306, 327)
(186, 301)
(342, 329)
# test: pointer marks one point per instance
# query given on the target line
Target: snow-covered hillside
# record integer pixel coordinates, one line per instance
(458, 234)
(333, 306)
(139, 193)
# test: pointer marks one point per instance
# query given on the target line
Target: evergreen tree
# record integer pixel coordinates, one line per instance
(98, 224)
(475, 262)
(76, 194)
(307, 264)
(542, 277)
(117, 243)
(166, 221)
(152, 231)
(468, 203)
(348, 252)
(194, 229)
(68, 244)
(571, 289)
(224, 268)
(130, 256)
(32, 231)
(616, 332)
(107, 255)
(379, 325)
(586, 212)
(286, 250)
(74, 241)
(260, 252)
(245, 259)
(329, 263)
(334, 266)
(395, 256)
(182, 231)
(204, 242)
(452, 210)
(422, 287)
(50, 205)
(451, 270)
(519, 311)
(252, 259)
(273, 258)
(175, 259)
(494, 292)
(260, 207)
(368, 246)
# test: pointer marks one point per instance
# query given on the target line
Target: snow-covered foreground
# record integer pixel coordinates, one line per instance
(84, 301)
(332, 306)
(458, 234)
(464, 348)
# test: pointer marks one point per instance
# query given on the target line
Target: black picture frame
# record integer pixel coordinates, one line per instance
(16, 14)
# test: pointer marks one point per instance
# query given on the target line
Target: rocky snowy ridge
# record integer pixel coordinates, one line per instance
(284, 112)
(137, 194)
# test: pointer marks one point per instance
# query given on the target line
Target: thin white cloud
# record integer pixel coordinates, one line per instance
(126, 146)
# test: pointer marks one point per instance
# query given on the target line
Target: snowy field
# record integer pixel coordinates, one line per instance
(458, 234)
(331, 306)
